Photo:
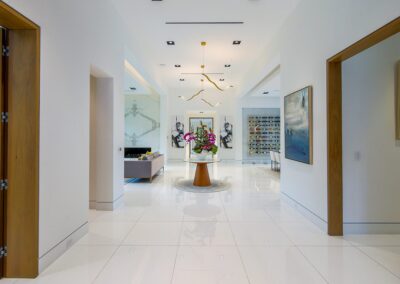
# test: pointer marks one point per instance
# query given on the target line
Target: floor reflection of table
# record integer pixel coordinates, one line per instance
(201, 177)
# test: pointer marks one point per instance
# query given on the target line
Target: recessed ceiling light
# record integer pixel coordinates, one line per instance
(231, 86)
(227, 65)
(170, 42)
(163, 64)
(177, 65)
(181, 79)
(132, 88)
(266, 93)
(237, 42)
(222, 79)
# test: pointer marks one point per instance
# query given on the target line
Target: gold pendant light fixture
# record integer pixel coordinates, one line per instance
(207, 78)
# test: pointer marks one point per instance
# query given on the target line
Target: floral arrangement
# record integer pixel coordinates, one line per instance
(204, 140)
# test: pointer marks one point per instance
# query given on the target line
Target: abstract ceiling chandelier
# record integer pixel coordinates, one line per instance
(206, 77)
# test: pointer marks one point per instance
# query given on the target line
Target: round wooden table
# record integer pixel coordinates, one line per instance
(201, 177)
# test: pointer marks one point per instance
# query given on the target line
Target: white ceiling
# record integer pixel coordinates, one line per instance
(269, 87)
(262, 19)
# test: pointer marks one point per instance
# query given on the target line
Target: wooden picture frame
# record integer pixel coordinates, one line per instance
(298, 125)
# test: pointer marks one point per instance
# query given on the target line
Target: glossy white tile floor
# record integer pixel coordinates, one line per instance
(245, 235)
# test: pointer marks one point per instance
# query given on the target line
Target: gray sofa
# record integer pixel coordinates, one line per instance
(143, 168)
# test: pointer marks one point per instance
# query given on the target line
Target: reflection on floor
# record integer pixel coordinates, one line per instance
(244, 235)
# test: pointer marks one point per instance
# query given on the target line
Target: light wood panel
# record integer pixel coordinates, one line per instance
(3, 159)
(334, 121)
(12, 19)
(23, 155)
(202, 178)
(22, 196)
(370, 40)
(335, 171)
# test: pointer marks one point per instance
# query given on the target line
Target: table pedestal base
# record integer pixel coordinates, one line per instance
(202, 178)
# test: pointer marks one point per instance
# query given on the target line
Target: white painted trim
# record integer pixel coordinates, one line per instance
(371, 228)
(107, 206)
(55, 252)
(314, 218)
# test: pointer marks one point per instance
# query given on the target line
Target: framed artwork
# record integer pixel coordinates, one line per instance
(177, 132)
(195, 122)
(298, 126)
(398, 102)
(226, 132)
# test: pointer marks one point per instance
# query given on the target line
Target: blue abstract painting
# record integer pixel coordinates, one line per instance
(298, 126)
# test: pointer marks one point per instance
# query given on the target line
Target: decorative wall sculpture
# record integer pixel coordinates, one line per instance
(226, 135)
(298, 126)
(177, 132)
(264, 134)
(142, 121)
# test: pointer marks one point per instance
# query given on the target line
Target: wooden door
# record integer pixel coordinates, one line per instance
(3, 144)
(20, 145)
(22, 155)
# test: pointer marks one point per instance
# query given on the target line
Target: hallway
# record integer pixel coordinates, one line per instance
(247, 234)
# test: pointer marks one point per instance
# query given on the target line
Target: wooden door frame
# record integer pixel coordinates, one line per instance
(22, 196)
(334, 121)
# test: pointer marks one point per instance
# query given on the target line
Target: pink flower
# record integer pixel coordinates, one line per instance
(211, 138)
(189, 137)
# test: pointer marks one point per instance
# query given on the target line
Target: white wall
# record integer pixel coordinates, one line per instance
(101, 194)
(314, 32)
(73, 39)
(371, 156)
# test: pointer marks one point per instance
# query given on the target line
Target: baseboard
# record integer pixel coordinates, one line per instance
(106, 206)
(92, 205)
(55, 252)
(314, 218)
(371, 228)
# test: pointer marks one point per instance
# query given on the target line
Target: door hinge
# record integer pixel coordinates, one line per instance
(3, 251)
(4, 117)
(3, 184)
(6, 51)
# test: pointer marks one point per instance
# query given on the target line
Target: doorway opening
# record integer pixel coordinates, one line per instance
(334, 122)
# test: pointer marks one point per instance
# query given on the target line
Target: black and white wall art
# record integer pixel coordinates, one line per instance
(226, 132)
(177, 132)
